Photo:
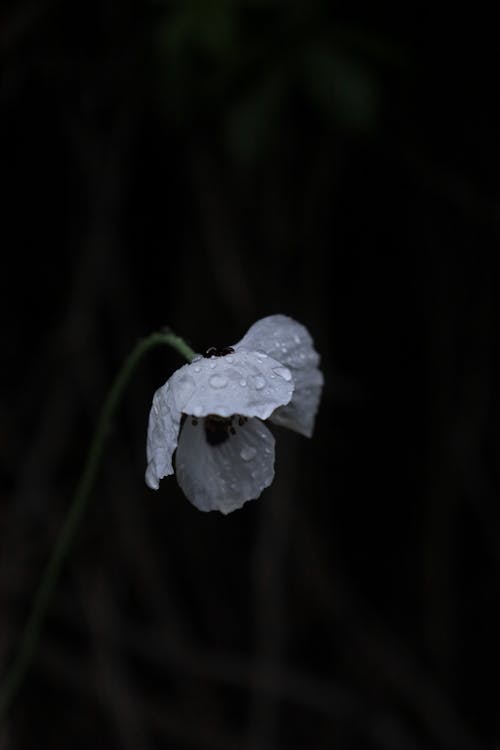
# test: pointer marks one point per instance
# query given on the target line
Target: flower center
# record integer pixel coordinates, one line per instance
(219, 429)
(214, 351)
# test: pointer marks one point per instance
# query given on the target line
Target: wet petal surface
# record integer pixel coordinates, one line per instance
(290, 343)
(163, 431)
(224, 474)
(251, 384)
(300, 414)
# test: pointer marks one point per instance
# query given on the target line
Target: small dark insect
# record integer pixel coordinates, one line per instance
(214, 351)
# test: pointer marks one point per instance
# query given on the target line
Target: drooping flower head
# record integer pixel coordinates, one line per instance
(211, 413)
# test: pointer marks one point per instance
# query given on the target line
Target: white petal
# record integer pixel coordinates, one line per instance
(247, 383)
(163, 431)
(300, 413)
(224, 476)
(290, 343)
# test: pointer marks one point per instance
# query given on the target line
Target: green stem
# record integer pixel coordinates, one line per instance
(41, 601)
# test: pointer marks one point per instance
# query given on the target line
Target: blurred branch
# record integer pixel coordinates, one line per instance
(270, 606)
(77, 508)
(17, 22)
(378, 652)
(113, 688)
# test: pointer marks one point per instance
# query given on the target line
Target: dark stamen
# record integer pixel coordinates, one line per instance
(217, 430)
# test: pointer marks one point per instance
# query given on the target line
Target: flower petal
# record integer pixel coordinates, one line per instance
(247, 383)
(299, 415)
(290, 343)
(163, 431)
(224, 476)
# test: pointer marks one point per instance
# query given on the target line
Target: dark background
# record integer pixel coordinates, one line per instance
(202, 165)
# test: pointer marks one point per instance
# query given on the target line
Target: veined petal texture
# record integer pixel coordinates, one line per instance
(163, 431)
(290, 343)
(251, 384)
(225, 476)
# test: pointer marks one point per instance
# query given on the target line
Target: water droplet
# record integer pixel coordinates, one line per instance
(218, 381)
(284, 373)
(262, 355)
(185, 388)
(197, 368)
(213, 364)
(197, 410)
(259, 383)
(230, 360)
(248, 452)
(296, 338)
(243, 383)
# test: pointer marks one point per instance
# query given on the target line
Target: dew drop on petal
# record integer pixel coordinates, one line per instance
(230, 360)
(185, 387)
(248, 452)
(197, 368)
(218, 381)
(213, 364)
(284, 373)
(259, 382)
(243, 383)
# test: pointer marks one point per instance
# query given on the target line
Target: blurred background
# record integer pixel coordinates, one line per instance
(202, 164)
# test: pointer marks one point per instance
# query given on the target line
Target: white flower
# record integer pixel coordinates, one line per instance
(212, 412)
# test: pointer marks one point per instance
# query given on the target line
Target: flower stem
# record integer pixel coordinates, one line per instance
(22, 661)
